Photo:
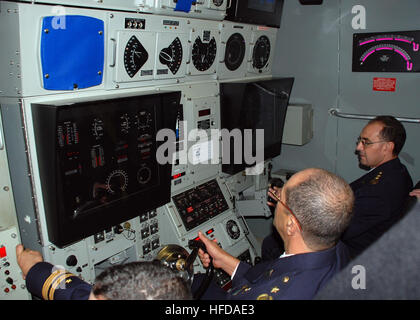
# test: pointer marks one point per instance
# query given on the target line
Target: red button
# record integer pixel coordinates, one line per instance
(3, 252)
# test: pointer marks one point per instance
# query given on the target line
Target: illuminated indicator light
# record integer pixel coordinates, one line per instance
(398, 51)
(368, 55)
(210, 231)
(3, 252)
(6, 290)
(197, 239)
(177, 176)
(403, 40)
(384, 48)
(14, 287)
(369, 41)
(190, 209)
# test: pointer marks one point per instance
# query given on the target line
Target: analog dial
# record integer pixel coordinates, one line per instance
(203, 54)
(218, 3)
(117, 181)
(172, 56)
(235, 51)
(261, 52)
(135, 56)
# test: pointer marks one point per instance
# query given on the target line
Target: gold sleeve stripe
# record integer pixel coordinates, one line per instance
(47, 283)
(57, 282)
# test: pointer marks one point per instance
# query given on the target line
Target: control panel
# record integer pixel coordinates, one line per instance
(207, 207)
(95, 195)
(12, 285)
(197, 205)
(145, 48)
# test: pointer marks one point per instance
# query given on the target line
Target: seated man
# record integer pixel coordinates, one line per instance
(416, 191)
(380, 195)
(312, 211)
(131, 281)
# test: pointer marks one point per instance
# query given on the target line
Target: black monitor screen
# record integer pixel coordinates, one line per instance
(262, 5)
(98, 162)
(252, 106)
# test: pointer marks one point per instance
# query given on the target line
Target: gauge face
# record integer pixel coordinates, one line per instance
(144, 175)
(218, 3)
(232, 229)
(261, 52)
(172, 56)
(98, 128)
(135, 56)
(125, 123)
(235, 51)
(203, 54)
(117, 181)
(143, 120)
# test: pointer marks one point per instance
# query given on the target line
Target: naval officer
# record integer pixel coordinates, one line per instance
(381, 195)
(313, 209)
(139, 280)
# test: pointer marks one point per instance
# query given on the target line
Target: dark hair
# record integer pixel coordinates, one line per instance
(323, 204)
(142, 280)
(392, 131)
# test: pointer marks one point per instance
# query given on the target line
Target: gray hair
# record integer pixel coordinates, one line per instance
(323, 204)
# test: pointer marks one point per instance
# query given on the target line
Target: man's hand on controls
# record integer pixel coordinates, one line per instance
(27, 258)
(221, 259)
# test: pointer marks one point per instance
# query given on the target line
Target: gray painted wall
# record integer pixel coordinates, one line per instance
(314, 45)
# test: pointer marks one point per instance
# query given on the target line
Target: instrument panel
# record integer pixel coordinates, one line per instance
(106, 159)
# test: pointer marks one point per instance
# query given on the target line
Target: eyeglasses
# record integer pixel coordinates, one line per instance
(288, 209)
(367, 143)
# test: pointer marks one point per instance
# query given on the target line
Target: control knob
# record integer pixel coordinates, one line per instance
(232, 229)
(71, 261)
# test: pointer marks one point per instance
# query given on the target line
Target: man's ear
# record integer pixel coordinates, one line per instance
(391, 146)
(291, 225)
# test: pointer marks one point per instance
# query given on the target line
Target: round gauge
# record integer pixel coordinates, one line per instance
(125, 123)
(97, 128)
(117, 181)
(172, 56)
(232, 229)
(218, 3)
(143, 120)
(204, 54)
(235, 51)
(261, 52)
(144, 175)
(135, 56)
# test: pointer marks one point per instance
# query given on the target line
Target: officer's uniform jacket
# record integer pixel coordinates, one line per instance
(46, 281)
(298, 276)
(380, 196)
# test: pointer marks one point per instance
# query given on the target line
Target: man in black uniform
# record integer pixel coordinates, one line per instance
(380, 195)
(313, 209)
